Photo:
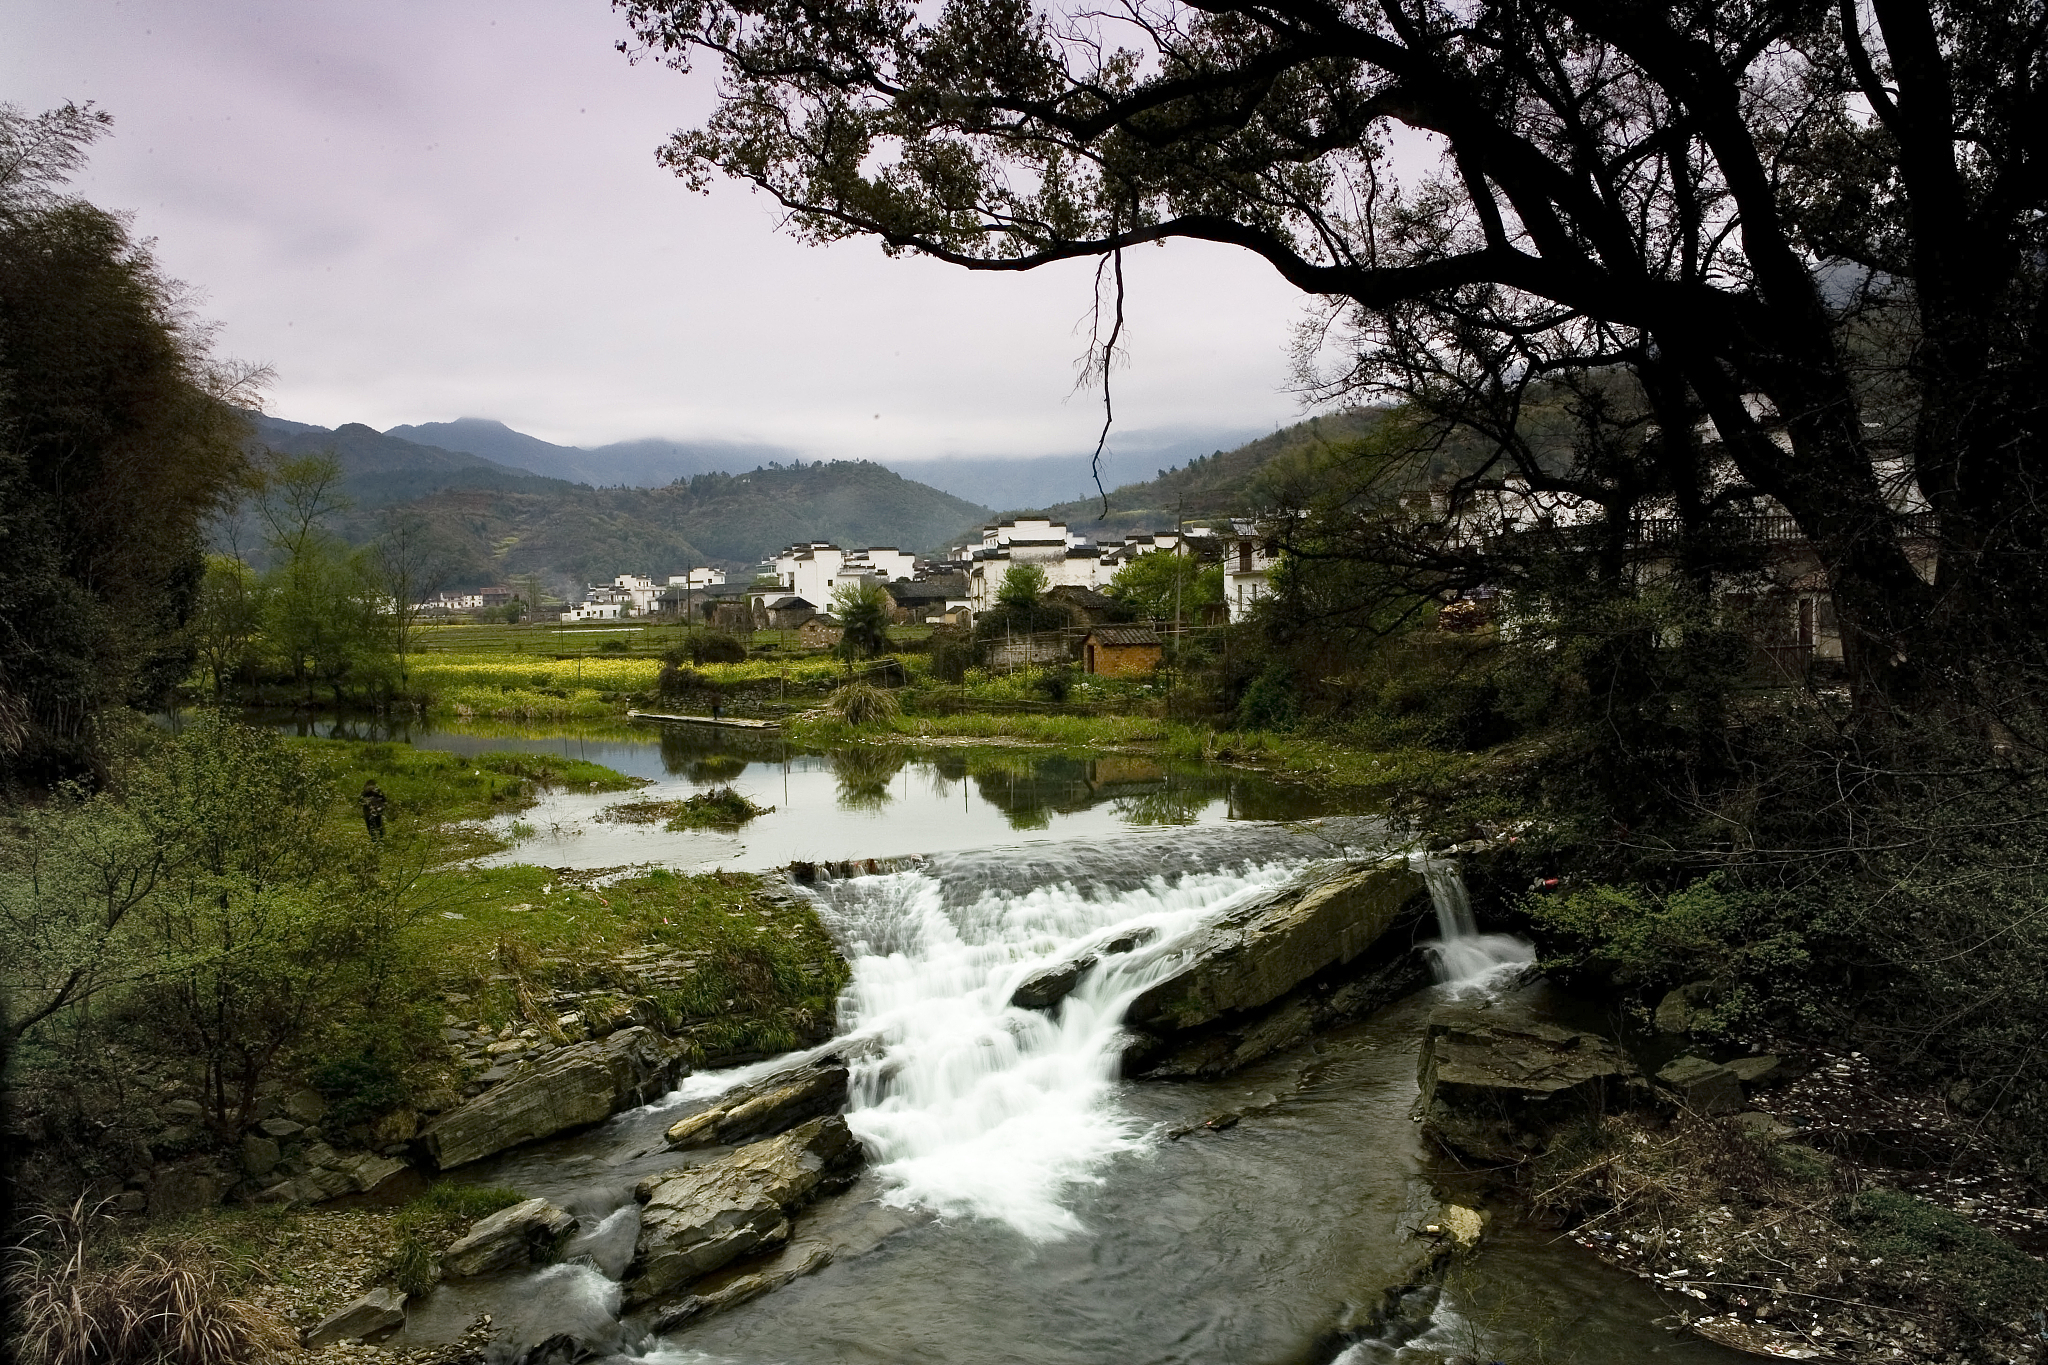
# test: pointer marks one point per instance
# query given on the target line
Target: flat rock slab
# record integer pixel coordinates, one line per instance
(770, 1105)
(1703, 1086)
(1496, 1081)
(571, 1087)
(372, 1315)
(1256, 954)
(519, 1235)
(700, 1218)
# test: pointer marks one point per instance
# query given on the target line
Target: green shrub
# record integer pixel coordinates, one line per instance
(951, 656)
(719, 808)
(863, 704)
(612, 647)
(716, 647)
(1273, 701)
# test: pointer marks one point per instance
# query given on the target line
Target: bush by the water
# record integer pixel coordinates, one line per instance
(717, 647)
(864, 704)
(719, 808)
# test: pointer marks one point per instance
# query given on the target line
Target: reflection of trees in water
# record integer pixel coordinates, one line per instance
(705, 755)
(1171, 804)
(864, 774)
(1028, 787)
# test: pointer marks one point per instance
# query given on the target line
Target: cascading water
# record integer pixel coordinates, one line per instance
(1462, 957)
(968, 1105)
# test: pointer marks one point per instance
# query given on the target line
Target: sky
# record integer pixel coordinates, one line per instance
(417, 210)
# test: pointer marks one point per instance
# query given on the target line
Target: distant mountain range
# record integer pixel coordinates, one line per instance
(504, 503)
(497, 521)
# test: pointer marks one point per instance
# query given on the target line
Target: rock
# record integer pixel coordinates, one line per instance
(1702, 1086)
(306, 1105)
(1763, 1127)
(699, 1218)
(280, 1128)
(370, 1173)
(1131, 939)
(574, 1086)
(184, 1111)
(1497, 1081)
(1761, 1070)
(186, 1187)
(1258, 953)
(1685, 1009)
(1048, 986)
(518, 1235)
(769, 1105)
(373, 1314)
(397, 1126)
(796, 1262)
(259, 1155)
(131, 1201)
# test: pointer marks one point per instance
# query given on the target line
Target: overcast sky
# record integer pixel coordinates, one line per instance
(418, 210)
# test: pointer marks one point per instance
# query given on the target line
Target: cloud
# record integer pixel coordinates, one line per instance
(421, 210)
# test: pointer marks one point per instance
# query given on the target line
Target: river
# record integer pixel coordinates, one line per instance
(1021, 1202)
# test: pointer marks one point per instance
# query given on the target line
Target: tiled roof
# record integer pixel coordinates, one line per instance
(1123, 635)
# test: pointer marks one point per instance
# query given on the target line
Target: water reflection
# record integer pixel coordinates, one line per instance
(855, 801)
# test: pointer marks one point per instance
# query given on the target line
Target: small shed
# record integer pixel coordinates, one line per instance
(788, 613)
(1121, 651)
(818, 632)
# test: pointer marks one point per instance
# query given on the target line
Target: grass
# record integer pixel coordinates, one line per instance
(432, 786)
(504, 937)
(82, 1296)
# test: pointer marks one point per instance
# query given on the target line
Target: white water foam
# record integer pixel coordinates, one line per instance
(967, 1106)
(1465, 960)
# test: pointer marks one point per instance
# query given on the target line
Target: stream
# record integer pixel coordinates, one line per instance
(1021, 1203)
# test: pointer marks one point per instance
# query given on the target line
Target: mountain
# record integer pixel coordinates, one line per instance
(645, 463)
(573, 534)
(1222, 483)
(495, 520)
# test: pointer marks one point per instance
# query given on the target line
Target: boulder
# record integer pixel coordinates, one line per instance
(525, 1232)
(572, 1087)
(769, 1105)
(1702, 1086)
(259, 1156)
(187, 1187)
(1258, 953)
(370, 1173)
(1048, 986)
(373, 1314)
(1685, 1009)
(699, 1218)
(187, 1112)
(1760, 1070)
(730, 1290)
(1497, 1081)
(306, 1105)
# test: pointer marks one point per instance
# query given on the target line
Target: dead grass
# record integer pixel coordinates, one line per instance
(82, 1297)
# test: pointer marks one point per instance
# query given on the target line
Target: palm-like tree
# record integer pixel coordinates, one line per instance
(863, 609)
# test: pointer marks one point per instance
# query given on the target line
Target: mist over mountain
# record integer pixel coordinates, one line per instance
(646, 463)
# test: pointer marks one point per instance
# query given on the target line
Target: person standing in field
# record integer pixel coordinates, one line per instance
(373, 809)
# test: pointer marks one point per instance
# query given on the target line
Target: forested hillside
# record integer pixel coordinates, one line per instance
(493, 522)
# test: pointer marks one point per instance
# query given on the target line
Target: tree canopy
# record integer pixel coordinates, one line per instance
(118, 438)
(1812, 232)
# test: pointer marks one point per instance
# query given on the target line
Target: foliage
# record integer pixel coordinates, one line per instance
(1880, 295)
(951, 655)
(80, 1298)
(1753, 945)
(1023, 584)
(227, 621)
(862, 704)
(119, 437)
(863, 609)
(1168, 586)
(716, 647)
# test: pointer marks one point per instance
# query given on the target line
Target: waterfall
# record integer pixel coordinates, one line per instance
(966, 1105)
(1462, 957)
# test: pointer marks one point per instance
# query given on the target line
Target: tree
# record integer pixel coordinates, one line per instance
(1159, 585)
(1023, 585)
(863, 609)
(1819, 228)
(227, 619)
(411, 563)
(325, 619)
(119, 437)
